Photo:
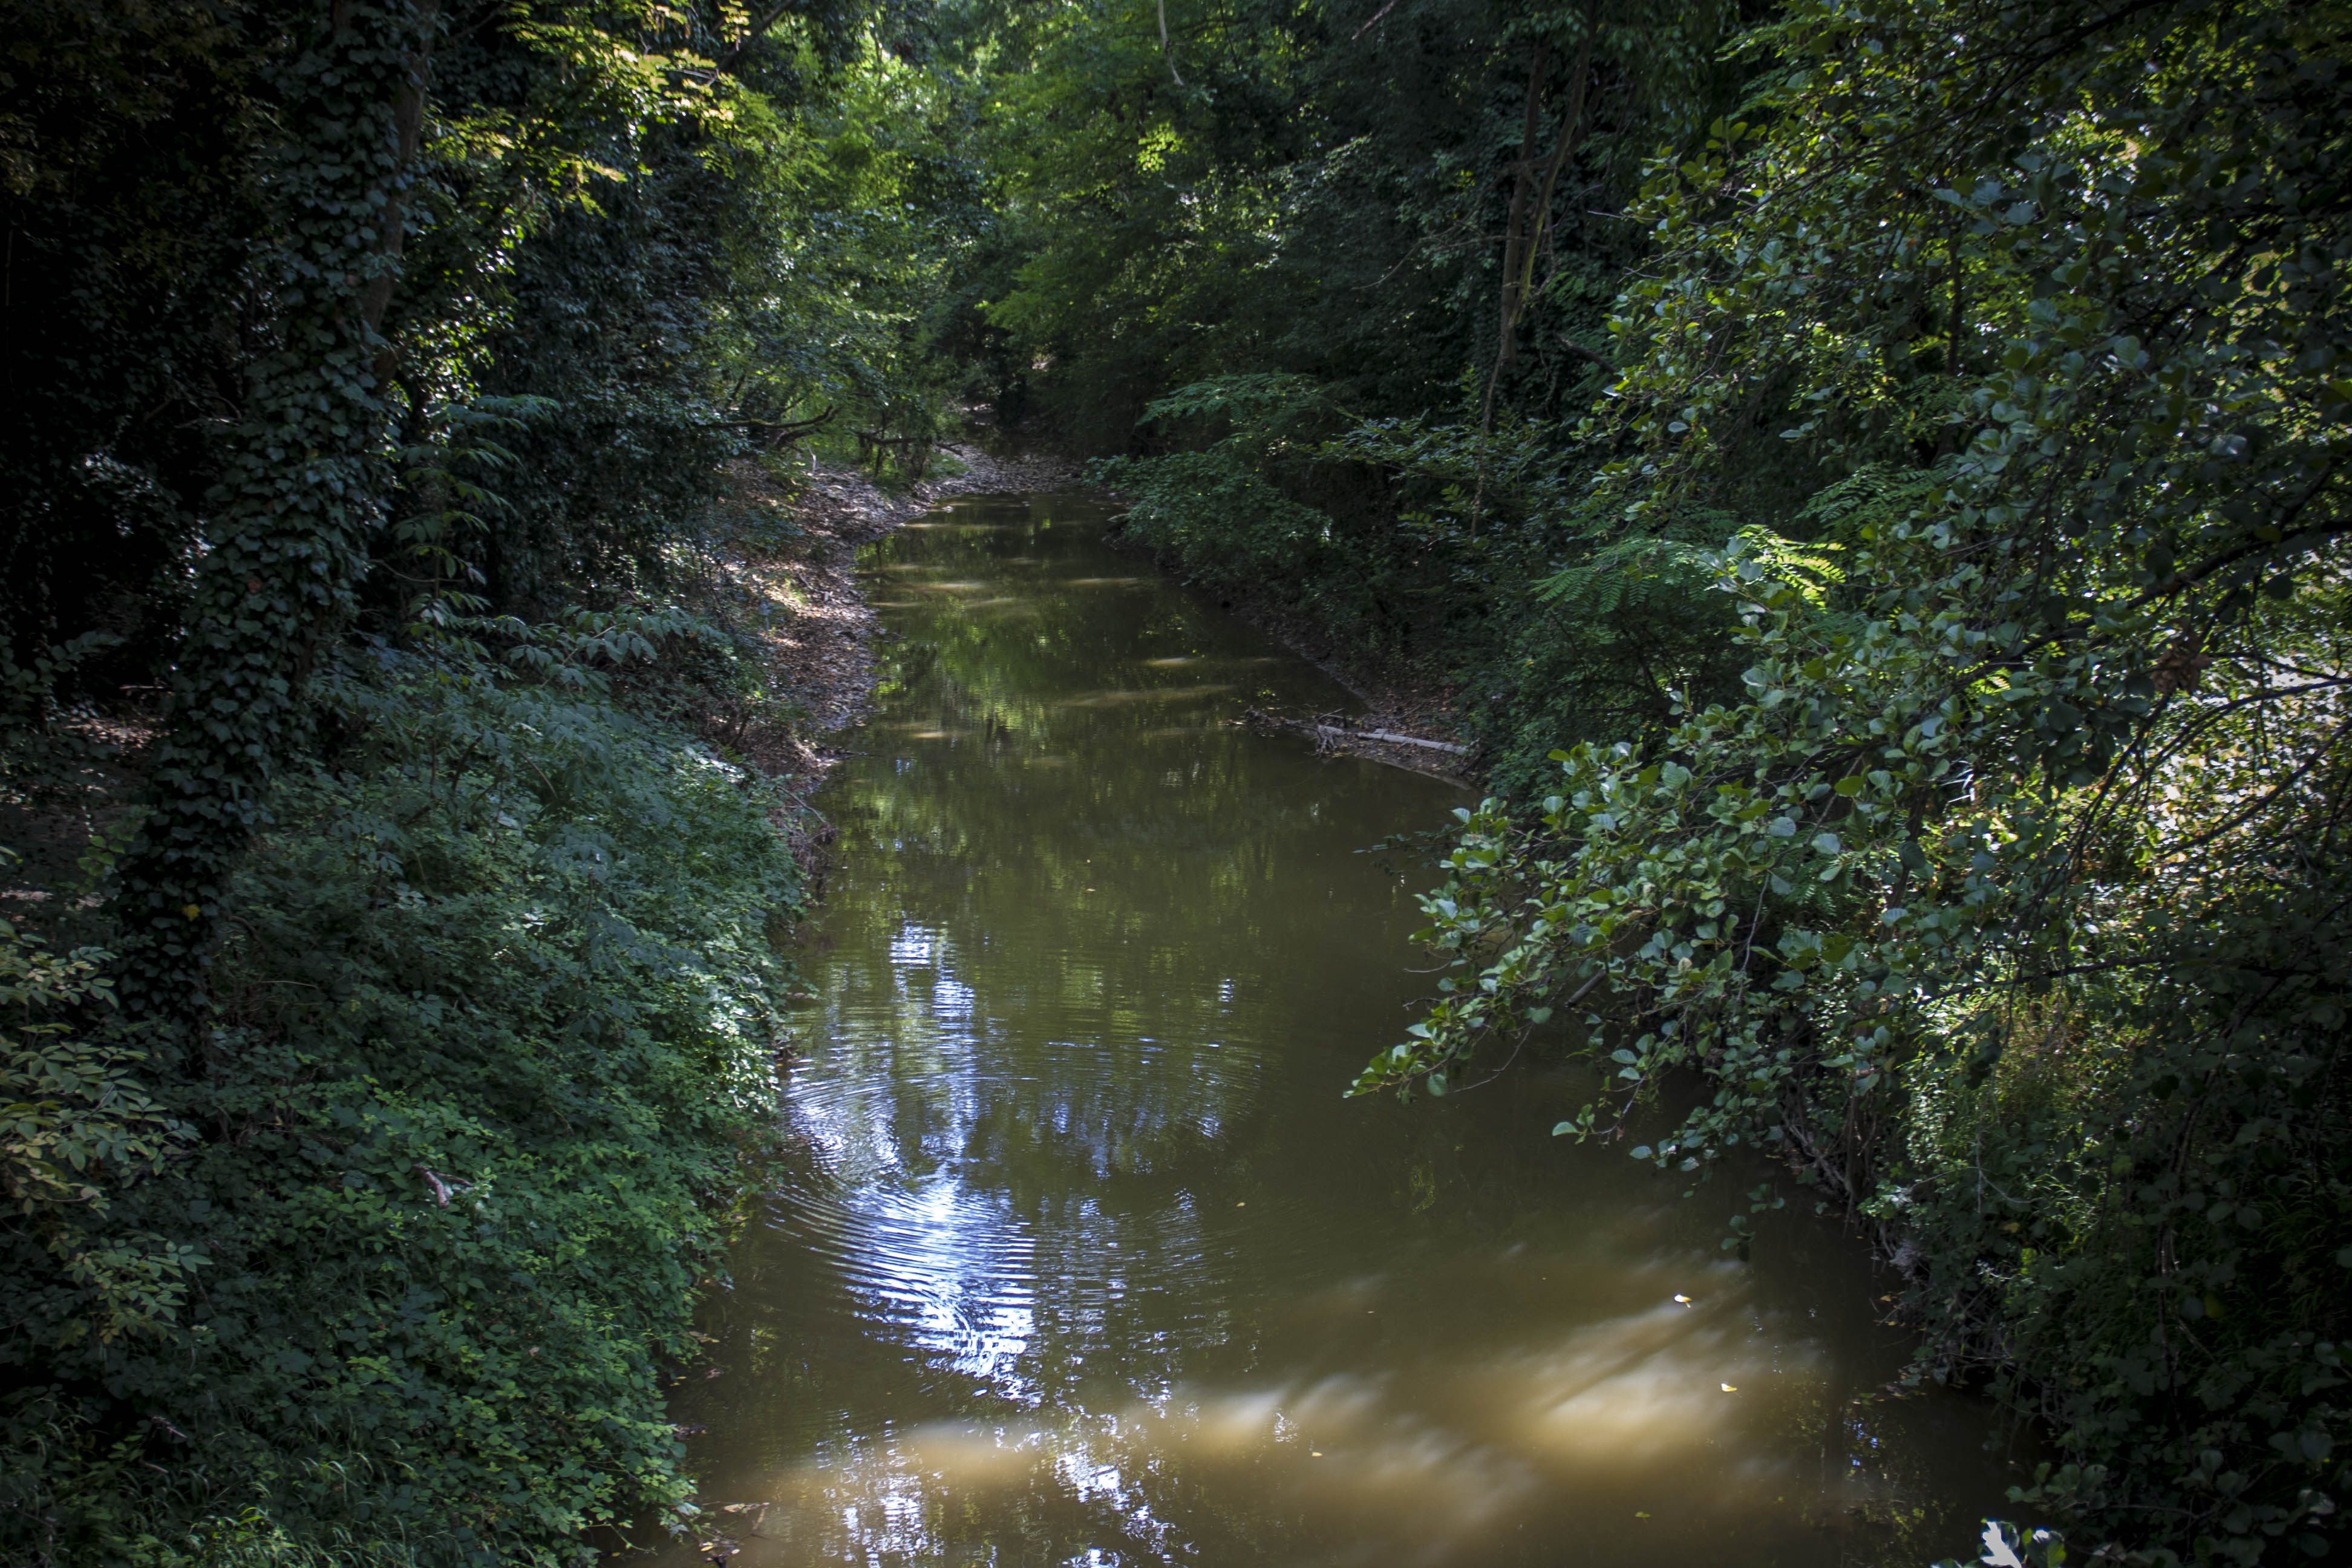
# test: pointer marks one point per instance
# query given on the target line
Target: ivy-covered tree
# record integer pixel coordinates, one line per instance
(388, 987)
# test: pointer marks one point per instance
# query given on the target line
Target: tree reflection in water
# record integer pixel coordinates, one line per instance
(1084, 1259)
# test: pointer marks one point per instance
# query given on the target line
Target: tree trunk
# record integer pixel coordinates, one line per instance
(301, 495)
(1522, 185)
(1571, 136)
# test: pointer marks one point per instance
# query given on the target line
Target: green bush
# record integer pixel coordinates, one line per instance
(498, 1009)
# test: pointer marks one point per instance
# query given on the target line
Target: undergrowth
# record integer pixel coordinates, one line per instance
(496, 1015)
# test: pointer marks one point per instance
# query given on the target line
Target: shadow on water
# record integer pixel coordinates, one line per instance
(1081, 1259)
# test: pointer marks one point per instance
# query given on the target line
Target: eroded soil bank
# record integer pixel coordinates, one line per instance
(786, 576)
(797, 551)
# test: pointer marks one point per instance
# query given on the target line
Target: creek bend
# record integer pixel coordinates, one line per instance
(1079, 1256)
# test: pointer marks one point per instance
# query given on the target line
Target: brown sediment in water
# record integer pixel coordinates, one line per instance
(820, 648)
(1077, 1244)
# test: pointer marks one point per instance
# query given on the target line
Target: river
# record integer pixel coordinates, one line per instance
(1077, 1255)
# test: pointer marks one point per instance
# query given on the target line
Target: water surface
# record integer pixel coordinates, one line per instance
(1080, 1258)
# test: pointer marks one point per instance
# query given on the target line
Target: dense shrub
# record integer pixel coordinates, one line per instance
(498, 1013)
(386, 976)
(2009, 897)
(1908, 638)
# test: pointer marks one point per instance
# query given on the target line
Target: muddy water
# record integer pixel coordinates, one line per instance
(1081, 1257)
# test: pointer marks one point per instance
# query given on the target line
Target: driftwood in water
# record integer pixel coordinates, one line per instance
(1330, 731)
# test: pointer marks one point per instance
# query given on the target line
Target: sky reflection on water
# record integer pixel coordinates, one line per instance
(1079, 1256)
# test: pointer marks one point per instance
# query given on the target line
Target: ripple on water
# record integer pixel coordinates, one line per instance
(909, 1204)
(1088, 1262)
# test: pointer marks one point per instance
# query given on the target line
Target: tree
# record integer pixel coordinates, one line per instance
(2010, 897)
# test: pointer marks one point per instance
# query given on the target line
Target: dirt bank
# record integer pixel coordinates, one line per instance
(1398, 700)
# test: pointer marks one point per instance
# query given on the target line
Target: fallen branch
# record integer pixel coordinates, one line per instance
(443, 1187)
(1327, 733)
(1391, 735)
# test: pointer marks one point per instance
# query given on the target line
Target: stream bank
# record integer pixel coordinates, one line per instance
(820, 651)
(1398, 699)
(784, 576)
(795, 549)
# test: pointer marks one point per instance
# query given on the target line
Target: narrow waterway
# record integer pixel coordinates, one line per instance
(1080, 1255)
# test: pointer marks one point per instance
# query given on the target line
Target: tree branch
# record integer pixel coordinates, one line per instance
(1522, 186)
(1586, 354)
(752, 35)
(1571, 136)
(1166, 47)
(1374, 21)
